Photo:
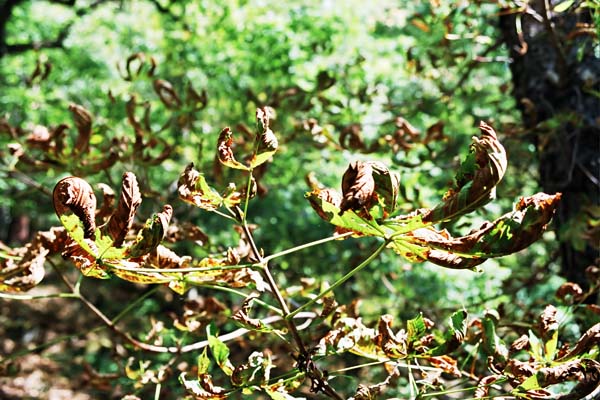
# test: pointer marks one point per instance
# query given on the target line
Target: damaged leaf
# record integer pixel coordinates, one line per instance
(476, 179)
(358, 187)
(267, 141)
(508, 234)
(225, 151)
(150, 236)
(194, 189)
(77, 196)
(130, 199)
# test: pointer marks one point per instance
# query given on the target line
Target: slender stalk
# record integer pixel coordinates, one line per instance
(342, 280)
(274, 288)
(306, 246)
(38, 297)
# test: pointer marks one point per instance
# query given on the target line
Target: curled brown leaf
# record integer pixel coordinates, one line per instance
(129, 201)
(358, 186)
(77, 196)
(394, 345)
(225, 151)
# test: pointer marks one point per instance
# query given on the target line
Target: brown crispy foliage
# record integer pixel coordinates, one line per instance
(77, 196)
(121, 220)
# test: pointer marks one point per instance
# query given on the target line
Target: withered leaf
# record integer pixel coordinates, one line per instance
(130, 199)
(162, 258)
(24, 269)
(508, 234)
(445, 363)
(267, 141)
(83, 122)
(225, 152)
(108, 202)
(77, 196)
(476, 179)
(242, 317)
(483, 387)
(330, 196)
(153, 232)
(358, 186)
(167, 93)
(394, 345)
(194, 189)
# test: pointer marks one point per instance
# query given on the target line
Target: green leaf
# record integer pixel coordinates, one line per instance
(535, 347)
(531, 383)
(203, 362)
(454, 336)
(74, 228)
(220, 353)
(492, 344)
(349, 220)
(415, 328)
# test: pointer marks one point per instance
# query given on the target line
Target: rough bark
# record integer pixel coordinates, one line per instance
(556, 69)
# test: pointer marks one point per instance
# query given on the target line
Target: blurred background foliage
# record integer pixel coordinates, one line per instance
(398, 81)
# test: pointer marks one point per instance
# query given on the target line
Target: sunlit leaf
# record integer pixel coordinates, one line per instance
(194, 189)
(267, 141)
(220, 353)
(476, 179)
(130, 199)
(150, 236)
(348, 220)
(75, 195)
(225, 152)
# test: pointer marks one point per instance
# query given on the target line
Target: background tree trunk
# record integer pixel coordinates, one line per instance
(556, 74)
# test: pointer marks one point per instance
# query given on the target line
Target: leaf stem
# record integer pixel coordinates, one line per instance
(306, 245)
(342, 280)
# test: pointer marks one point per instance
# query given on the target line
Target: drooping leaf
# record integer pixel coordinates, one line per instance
(194, 189)
(83, 122)
(166, 93)
(508, 234)
(150, 236)
(225, 152)
(75, 195)
(220, 353)
(257, 370)
(267, 141)
(358, 187)
(108, 202)
(394, 345)
(243, 318)
(203, 388)
(492, 344)
(476, 179)
(130, 199)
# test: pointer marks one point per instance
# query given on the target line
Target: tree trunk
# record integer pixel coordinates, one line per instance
(556, 75)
